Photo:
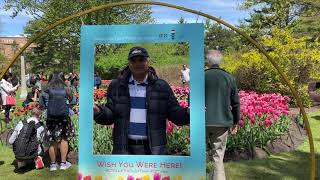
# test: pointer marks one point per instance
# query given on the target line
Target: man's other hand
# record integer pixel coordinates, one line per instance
(96, 109)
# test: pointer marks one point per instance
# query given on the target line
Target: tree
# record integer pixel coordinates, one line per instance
(59, 48)
(2, 60)
(266, 14)
(308, 22)
(218, 37)
(182, 21)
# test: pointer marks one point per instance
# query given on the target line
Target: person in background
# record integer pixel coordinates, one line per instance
(31, 81)
(32, 96)
(222, 111)
(23, 144)
(59, 126)
(97, 80)
(6, 90)
(74, 81)
(185, 75)
(14, 80)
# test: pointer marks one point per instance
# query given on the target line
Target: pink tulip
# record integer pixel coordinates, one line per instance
(267, 122)
(157, 176)
(241, 123)
(169, 127)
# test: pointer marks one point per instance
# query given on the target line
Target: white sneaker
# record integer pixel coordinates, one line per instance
(53, 167)
(64, 166)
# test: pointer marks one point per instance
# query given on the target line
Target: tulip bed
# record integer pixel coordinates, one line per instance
(264, 118)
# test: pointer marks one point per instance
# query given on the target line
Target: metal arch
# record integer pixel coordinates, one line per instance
(283, 76)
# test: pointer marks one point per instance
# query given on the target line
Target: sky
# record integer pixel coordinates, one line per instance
(224, 9)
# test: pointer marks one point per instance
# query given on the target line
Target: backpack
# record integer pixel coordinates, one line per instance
(57, 104)
(26, 145)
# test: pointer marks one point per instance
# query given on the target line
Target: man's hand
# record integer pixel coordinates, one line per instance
(234, 129)
(96, 109)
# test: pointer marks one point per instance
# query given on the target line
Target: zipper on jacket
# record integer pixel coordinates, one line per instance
(147, 117)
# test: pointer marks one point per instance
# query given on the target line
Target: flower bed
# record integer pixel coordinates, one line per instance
(264, 118)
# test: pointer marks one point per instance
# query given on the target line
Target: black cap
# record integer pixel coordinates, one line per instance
(137, 51)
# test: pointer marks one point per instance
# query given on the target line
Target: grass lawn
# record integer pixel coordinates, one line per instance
(286, 166)
(294, 165)
(7, 170)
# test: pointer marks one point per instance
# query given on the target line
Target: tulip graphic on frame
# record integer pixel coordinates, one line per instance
(166, 178)
(79, 176)
(146, 177)
(177, 178)
(87, 178)
(120, 178)
(98, 177)
(138, 178)
(157, 176)
(130, 177)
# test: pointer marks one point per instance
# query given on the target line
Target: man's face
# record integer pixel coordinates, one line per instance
(184, 67)
(139, 65)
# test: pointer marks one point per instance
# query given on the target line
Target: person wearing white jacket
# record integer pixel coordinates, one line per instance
(6, 90)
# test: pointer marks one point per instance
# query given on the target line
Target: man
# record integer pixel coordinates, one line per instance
(138, 104)
(185, 74)
(222, 111)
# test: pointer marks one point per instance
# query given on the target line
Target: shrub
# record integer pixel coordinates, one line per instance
(298, 61)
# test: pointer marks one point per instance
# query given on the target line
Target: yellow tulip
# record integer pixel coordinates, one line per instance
(146, 177)
(98, 177)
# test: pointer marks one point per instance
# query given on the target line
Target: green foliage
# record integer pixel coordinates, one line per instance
(2, 61)
(2, 58)
(161, 54)
(298, 61)
(59, 48)
(8, 169)
(265, 14)
(102, 139)
(308, 22)
(255, 135)
(287, 165)
(219, 37)
(179, 141)
(73, 143)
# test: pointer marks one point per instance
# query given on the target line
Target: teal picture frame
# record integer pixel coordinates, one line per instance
(185, 167)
